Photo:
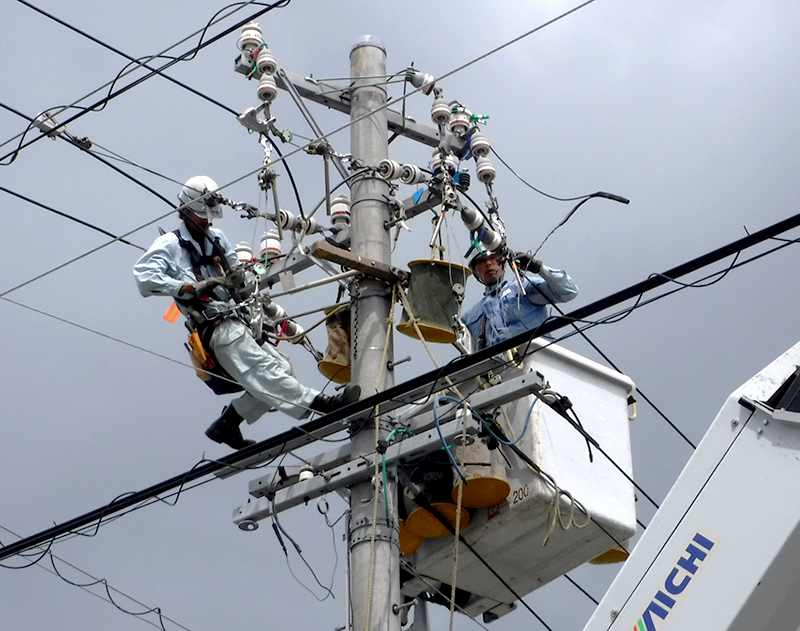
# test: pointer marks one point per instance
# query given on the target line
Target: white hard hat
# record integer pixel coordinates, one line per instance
(192, 197)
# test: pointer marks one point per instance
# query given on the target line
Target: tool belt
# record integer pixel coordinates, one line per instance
(205, 364)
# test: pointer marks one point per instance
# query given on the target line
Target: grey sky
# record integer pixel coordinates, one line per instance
(688, 109)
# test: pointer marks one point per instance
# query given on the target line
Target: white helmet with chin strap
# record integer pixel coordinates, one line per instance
(482, 255)
(198, 196)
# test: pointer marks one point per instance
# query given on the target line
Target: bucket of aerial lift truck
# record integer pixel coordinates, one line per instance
(435, 293)
(571, 485)
(335, 364)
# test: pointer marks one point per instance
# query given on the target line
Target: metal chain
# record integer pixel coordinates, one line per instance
(355, 298)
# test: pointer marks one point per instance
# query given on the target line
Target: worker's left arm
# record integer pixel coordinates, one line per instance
(555, 286)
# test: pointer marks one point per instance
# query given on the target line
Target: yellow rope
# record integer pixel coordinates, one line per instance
(415, 323)
(376, 470)
(458, 531)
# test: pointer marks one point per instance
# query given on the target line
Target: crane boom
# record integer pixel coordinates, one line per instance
(723, 551)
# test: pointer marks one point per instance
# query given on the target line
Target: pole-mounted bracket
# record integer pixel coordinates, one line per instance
(375, 269)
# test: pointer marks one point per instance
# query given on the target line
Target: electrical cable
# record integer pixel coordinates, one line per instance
(181, 84)
(297, 150)
(532, 187)
(423, 502)
(95, 581)
(82, 145)
(139, 62)
(71, 218)
(397, 393)
(114, 94)
(240, 6)
(612, 364)
(445, 597)
(583, 591)
(279, 529)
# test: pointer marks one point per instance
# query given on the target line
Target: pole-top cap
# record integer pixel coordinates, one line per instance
(369, 40)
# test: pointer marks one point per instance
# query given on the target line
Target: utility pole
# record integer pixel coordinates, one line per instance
(372, 538)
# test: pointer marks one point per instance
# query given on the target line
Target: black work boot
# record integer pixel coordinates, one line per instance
(325, 404)
(226, 430)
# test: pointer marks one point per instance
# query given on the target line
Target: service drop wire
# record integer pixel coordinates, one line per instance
(279, 529)
(152, 73)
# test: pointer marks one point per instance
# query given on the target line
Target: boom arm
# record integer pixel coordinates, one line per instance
(723, 551)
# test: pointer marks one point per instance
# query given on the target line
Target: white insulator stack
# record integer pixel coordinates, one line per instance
(451, 163)
(288, 221)
(389, 169)
(270, 245)
(475, 222)
(250, 39)
(436, 160)
(256, 53)
(244, 252)
(440, 111)
(267, 90)
(340, 211)
(458, 123)
(411, 174)
(485, 170)
(265, 61)
(479, 145)
(312, 226)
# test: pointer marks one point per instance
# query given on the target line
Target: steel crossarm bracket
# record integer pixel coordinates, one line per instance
(340, 100)
(322, 428)
(421, 201)
(335, 470)
(326, 251)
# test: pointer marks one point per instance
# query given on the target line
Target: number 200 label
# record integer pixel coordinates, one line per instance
(519, 494)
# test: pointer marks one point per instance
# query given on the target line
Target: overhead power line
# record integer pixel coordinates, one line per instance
(108, 588)
(150, 74)
(281, 158)
(139, 62)
(85, 146)
(70, 217)
(397, 395)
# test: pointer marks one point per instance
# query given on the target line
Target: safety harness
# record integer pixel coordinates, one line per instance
(201, 323)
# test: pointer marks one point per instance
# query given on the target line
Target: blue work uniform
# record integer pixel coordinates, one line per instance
(504, 311)
(263, 372)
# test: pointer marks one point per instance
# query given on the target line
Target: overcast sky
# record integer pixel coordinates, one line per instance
(688, 109)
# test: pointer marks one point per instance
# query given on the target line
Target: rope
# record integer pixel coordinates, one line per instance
(376, 473)
(554, 513)
(415, 323)
(457, 533)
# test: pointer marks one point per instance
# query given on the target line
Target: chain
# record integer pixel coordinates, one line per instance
(355, 298)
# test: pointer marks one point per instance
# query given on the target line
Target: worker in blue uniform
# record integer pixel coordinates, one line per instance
(505, 311)
(197, 266)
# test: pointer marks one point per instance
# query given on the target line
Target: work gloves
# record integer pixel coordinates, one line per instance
(232, 281)
(526, 262)
(206, 287)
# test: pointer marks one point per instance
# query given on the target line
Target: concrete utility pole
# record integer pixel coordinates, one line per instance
(374, 548)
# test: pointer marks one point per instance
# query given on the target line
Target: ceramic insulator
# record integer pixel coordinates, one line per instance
(411, 174)
(265, 61)
(440, 111)
(485, 170)
(250, 38)
(389, 169)
(244, 252)
(479, 145)
(267, 89)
